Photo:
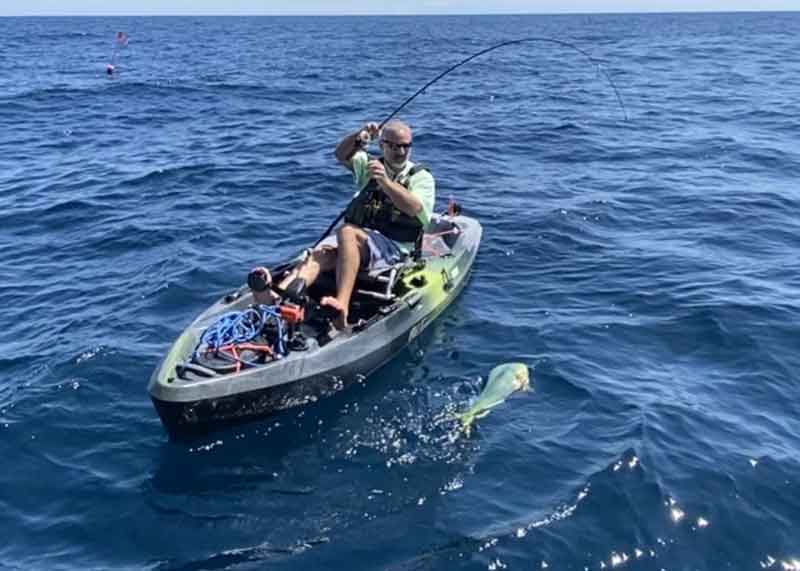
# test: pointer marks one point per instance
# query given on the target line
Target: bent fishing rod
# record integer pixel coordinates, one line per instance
(466, 60)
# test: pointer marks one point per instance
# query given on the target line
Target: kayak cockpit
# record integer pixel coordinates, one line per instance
(297, 326)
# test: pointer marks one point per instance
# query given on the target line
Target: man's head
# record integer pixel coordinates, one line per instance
(396, 143)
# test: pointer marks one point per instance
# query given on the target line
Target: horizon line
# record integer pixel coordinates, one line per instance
(373, 14)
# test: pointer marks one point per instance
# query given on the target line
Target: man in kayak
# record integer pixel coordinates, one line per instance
(384, 221)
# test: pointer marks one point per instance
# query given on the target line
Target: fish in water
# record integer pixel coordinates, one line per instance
(503, 380)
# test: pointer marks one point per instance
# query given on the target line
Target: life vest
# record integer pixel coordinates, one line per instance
(372, 208)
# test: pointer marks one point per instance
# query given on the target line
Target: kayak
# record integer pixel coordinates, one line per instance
(297, 356)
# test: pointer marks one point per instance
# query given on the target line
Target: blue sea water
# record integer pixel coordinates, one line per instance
(646, 271)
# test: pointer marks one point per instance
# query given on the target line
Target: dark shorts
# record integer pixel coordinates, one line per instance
(383, 252)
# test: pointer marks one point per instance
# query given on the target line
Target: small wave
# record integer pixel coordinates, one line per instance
(75, 206)
(41, 94)
(231, 558)
(188, 173)
(55, 36)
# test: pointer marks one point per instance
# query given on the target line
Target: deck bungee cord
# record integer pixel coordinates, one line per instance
(232, 333)
(466, 60)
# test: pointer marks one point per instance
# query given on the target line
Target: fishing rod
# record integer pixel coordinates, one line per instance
(452, 68)
(589, 56)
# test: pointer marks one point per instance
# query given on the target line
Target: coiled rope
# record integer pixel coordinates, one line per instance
(237, 328)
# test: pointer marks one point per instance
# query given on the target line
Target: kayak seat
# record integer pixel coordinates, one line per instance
(378, 283)
(375, 286)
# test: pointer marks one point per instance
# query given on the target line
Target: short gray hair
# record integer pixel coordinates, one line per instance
(395, 126)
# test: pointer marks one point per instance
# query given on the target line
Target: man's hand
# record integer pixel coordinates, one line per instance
(355, 141)
(369, 132)
(377, 172)
(397, 193)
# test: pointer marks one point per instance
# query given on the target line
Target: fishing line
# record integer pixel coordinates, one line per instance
(589, 56)
(563, 43)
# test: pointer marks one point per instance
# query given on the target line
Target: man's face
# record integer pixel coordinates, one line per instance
(396, 147)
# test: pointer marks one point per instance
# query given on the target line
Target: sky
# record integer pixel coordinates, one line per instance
(330, 7)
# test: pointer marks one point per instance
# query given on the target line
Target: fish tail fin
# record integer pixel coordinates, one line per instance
(466, 419)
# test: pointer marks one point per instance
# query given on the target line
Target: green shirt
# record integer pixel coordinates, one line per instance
(420, 185)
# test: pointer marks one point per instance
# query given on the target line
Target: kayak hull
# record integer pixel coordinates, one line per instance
(196, 407)
(197, 417)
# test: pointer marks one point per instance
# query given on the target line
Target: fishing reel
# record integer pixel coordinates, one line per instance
(259, 279)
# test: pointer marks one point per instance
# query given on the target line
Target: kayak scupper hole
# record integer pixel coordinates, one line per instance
(419, 281)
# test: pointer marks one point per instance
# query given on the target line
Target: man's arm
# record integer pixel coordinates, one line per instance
(355, 141)
(347, 148)
(405, 202)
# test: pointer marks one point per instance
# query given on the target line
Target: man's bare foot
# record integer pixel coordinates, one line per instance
(341, 320)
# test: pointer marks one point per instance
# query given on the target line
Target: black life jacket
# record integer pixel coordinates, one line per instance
(372, 208)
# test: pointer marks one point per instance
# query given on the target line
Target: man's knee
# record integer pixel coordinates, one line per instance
(350, 233)
(324, 257)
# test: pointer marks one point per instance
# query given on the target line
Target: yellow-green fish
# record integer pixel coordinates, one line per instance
(503, 380)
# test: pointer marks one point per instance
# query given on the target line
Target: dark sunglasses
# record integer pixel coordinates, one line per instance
(397, 146)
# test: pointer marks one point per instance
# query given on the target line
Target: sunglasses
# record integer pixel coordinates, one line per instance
(397, 146)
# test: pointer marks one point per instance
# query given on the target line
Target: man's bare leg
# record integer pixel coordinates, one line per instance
(352, 246)
(318, 261)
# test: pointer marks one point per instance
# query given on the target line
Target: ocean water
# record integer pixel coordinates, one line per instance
(645, 269)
